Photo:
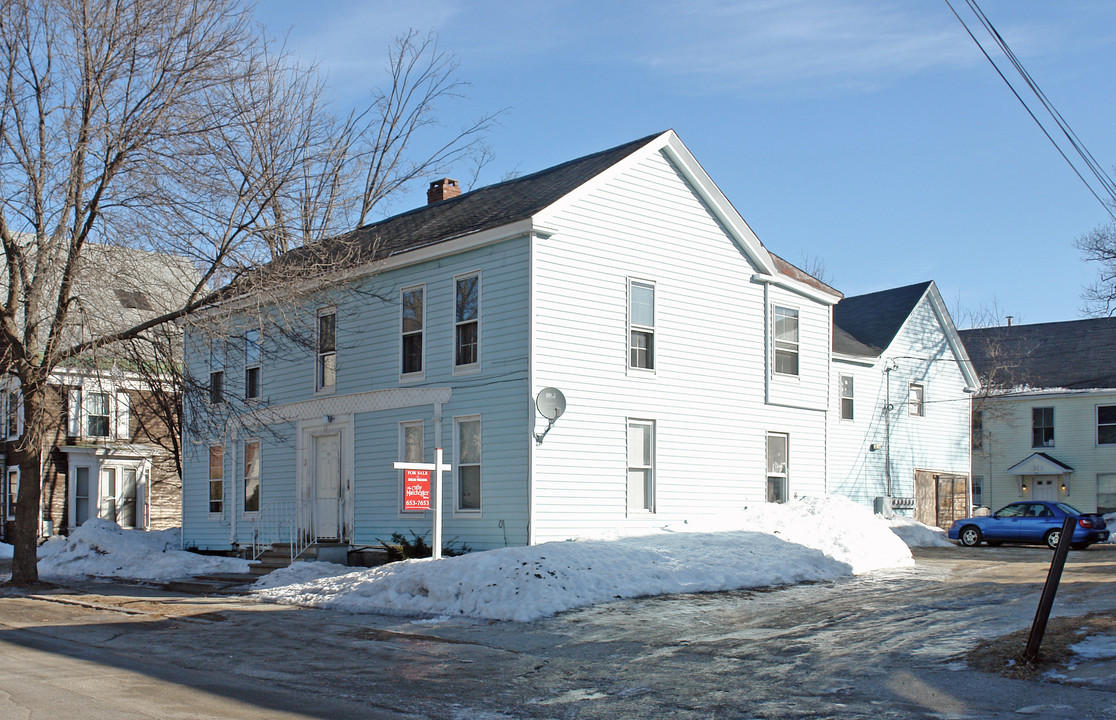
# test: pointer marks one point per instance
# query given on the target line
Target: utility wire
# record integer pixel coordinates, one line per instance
(1107, 185)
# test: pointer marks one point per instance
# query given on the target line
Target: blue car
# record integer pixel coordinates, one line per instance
(1030, 522)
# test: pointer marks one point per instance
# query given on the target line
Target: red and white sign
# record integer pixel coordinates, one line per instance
(416, 489)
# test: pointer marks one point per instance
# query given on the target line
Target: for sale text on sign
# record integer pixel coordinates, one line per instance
(416, 489)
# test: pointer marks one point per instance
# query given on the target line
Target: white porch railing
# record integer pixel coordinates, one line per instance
(299, 523)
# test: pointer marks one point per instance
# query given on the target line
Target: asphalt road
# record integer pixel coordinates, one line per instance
(885, 645)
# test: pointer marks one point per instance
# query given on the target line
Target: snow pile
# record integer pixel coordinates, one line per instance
(302, 572)
(916, 534)
(100, 548)
(806, 540)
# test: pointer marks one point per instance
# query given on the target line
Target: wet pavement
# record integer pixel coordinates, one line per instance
(886, 645)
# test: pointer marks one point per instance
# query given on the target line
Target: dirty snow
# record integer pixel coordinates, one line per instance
(101, 548)
(809, 539)
(1095, 647)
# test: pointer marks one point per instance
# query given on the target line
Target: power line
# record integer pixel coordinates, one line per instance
(1107, 186)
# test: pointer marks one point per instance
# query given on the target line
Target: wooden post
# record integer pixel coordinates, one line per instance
(1049, 590)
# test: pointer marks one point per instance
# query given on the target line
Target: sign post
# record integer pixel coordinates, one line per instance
(418, 495)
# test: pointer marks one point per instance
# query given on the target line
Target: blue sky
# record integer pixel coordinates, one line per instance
(871, 135)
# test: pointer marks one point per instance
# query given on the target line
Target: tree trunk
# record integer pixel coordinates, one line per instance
(25, 569)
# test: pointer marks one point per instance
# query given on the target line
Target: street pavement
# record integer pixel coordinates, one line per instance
(885, 645)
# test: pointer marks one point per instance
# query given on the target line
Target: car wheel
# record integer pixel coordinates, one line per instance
(1052, 538)
(994, 543)
(970, 536)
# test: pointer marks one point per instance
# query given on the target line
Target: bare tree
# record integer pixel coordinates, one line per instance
(1099, 246)
(171, 128)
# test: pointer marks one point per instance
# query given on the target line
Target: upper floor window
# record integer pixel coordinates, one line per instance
(467, 321)
(641, 324)
(1042, 427)
(252, 364)
(916, 400)
(1106, 425)
(786, 340)
(13, 413)
(216, 387)
(327, 350)
(216, 478)
(468, 464)
(846, 397)
(411, 330)
(97, 415)
(641, 465)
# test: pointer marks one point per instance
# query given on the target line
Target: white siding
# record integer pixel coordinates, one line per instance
(706, 394)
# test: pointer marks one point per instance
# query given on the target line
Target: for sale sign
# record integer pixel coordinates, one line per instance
(416, 489)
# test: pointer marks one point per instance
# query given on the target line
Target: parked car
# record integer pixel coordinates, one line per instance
(1030, 522)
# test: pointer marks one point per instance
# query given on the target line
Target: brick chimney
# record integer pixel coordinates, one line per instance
(443, 189)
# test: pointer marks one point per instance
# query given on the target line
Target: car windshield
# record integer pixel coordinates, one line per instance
(1069, 509)
(1011, 510)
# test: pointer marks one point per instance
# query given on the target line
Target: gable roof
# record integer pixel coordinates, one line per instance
(1075, 354)
(481, 209)
(866, 324)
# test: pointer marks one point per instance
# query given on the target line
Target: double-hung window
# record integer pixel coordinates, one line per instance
(411, 330)
(326, 369)
(13, 415)
(846, 382)
(785, 322)
(252, 476)
(467, 322)
(1106, 424)
(412, 449)
(216, 479)
(11, 492)
(98, 414)
(641, 466)
(916, 400)
(778, 453)
(641, 325)
(468, 464)
(1042, 427)
(252, 364)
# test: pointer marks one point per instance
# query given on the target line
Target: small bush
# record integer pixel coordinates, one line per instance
(403, 548)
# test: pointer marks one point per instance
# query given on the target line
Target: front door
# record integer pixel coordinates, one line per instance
(1046, 488)
(328, 510)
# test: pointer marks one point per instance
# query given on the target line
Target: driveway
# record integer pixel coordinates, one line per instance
(887, 645)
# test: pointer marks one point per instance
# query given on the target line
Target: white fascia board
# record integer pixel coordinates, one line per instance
(670, 144)
(798, 287)
(862, 360)
(76, 377)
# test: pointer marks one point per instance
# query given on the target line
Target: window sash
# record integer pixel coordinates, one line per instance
(11, 491)
(785, 340)
(641, 325)
(412, 449)
(1106, 424)
(916, 397)
(1042, 427)
(778, 461)
(326, 370)
(216, 478)
(411, 330)
(98, 415)
(216, 387)
(847, 397)
(469, 464)
(252, 476)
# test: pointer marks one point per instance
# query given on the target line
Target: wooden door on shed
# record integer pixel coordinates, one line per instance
(940, 498)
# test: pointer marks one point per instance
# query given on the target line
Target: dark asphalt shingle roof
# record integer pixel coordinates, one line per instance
(488, 207)
(866, 324)
(1075, 354)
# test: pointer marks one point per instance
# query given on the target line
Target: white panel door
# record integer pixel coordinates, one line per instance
(327, 487)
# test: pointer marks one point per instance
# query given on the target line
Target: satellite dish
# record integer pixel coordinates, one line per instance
(551, 403)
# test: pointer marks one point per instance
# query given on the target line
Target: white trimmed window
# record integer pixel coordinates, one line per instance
(252, 476)
(13, 414)
(326, 363)
(1106, 424)
(847, 403)
(1042, 427)
(411, 323)
(641, 325)
(785, 328)
(916, 400)
(11, 492)
(98, 413)
(468, 463)
(216, 479)
(467, 322)
(412, 449)
(778, 455)
(252, 364)
(641, 466)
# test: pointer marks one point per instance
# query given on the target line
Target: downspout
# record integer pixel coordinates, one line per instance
(887, 424)
(438, 424)
(232, 494)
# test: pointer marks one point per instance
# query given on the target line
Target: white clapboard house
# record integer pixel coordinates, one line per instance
(696, 368)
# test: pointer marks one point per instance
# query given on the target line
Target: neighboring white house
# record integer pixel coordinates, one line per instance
(901, 390)
(1045, 429)
(695, 364)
